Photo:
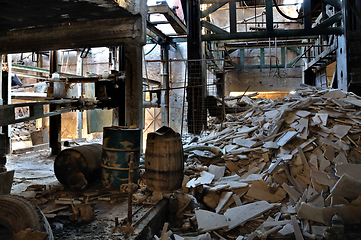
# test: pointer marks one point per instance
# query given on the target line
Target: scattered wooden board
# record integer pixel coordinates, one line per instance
(209, 221)
(238, 216)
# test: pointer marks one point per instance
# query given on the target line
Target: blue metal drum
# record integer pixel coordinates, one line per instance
(118, 144)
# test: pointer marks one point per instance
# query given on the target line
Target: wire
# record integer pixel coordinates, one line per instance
(145, 54)
(297, 18)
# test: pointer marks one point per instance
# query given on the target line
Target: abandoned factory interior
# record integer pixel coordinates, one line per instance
(180, 119)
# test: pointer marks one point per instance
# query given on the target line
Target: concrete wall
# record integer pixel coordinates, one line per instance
(263, 80)
(260, 79)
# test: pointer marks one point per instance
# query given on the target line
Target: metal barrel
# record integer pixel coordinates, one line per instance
(118, 144)
(164, 164)
(78, 165)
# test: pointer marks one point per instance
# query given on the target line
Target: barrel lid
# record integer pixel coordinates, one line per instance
(117, 128)
(165, 131)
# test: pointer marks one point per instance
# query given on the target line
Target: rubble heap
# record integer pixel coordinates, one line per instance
(288, 165)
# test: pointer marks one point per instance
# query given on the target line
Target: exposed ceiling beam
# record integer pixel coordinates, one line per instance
(172, 18)
(265, 44)
(272, 34)
(105, 32)
(213, 27)
(158, 33)
(212, 9)
(158, 36)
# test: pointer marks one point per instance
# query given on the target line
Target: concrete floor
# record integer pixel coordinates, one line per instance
(38, 168)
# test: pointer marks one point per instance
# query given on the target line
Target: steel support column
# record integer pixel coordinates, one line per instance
(269, 15)
(121, 89)
(307, 21)
(133, 85)
(54, 121)
(6, 94)
(233, 17)
(165, 84)
(348, 54)
(195, 95)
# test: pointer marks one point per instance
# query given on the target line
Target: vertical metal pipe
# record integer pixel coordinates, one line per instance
(270, 54)
(233, 17)
(79, 71)
(306, 9)
(7, 99)
(165, 84)
(276, 52)
(54, 121)
(269, 15)
(121, 89)
(130, 189)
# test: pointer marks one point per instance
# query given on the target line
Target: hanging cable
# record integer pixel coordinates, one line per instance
(297, 18)
(145, 54)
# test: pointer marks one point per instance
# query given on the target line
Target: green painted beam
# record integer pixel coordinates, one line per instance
(283, 56)
(295, 49)
(274, 33)
(35, 69)
(214, 7)
(213, 27)
(328, 22)
(241, 57)
(262, 57)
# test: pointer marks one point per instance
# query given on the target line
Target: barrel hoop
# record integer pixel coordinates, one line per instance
(173, 140)
(121, 150)
(147, 170)
(115, 168)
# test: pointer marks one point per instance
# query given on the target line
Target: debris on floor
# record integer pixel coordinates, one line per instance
(287, 166)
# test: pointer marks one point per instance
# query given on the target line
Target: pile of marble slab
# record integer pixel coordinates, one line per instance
(282, 168)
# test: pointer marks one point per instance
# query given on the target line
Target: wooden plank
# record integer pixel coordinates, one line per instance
(340, 130)
(209, 221)
(259, 190)
(303, 145)
(296, 228)
(292, 192)
(352, 170)
(347, 187)
(341, 158)
(238, 216)
(224, 199)
(288, 136)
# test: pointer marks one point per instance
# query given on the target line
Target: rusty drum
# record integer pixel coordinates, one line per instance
(118, 145)
(78, 165)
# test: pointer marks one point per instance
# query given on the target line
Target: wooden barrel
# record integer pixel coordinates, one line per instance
(164, 165)
(78, 165)
(118, 145)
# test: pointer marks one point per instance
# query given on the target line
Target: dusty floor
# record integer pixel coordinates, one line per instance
(37, 168)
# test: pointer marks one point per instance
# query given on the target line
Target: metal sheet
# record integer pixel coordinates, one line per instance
(97, 119)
